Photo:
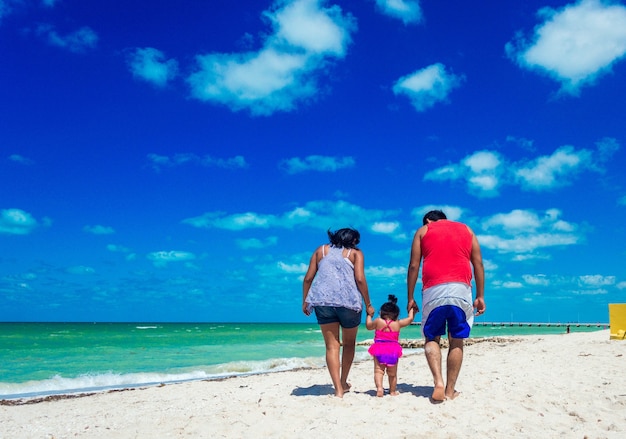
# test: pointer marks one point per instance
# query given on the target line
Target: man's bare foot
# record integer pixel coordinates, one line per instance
(380, 393)
(438, 394)
(346, 387)
(394, 393)
(453, 396)
(339, 393)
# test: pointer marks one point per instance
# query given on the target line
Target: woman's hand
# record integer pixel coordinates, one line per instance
(305, 309)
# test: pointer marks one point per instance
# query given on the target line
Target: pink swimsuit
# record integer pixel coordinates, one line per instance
(386, 347)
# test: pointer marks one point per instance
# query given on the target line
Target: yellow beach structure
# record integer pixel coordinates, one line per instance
(617, 320)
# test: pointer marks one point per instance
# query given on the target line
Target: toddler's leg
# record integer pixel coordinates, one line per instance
(379, 372)
(392, 374)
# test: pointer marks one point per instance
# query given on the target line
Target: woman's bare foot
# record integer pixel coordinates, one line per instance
(346, 387)
(380, 392)
(394, 393)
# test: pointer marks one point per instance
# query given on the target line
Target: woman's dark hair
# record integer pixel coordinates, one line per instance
(390, 310)
(347, 238)
(434, 215)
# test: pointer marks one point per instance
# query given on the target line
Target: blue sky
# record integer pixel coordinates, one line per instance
(164, 161)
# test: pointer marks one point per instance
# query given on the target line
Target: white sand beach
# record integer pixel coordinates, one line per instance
(568, 385)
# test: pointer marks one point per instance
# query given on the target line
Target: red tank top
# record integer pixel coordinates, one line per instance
(446, 251)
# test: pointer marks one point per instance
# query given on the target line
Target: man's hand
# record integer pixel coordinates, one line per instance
(479, 306)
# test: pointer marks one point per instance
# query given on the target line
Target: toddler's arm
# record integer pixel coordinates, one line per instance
(407, 320)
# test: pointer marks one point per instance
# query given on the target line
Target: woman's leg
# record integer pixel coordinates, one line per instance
(348, 337)
(330, 331)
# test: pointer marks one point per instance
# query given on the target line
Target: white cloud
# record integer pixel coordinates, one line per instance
(453, 213)
(254, 243)
(80, 270)
(318, 163)
(8, 6)
(580, 285)
(161, 258)
(282, 73)
(596, 280)
(512, 285)
(150, 65)
(621, 285)
(554, 170)
(481, 170)
(409, 11)
(16, 222)
(78, 41)
(293, 268)
(157, 161)
(526, 232)
(312, 214)
(427, 86)
(485, 172)
(575, 44)
(536, 279)
(385, 272)
(99, 230)
(20, 159)
(385, 227)
(117, 248)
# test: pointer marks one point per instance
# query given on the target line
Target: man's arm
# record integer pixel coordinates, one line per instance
(479, 275)
(414, 268)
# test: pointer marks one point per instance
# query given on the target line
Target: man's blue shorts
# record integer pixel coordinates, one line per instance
(347, 318)
(451, 315)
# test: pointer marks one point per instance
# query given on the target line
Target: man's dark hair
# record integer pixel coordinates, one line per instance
(434, 215)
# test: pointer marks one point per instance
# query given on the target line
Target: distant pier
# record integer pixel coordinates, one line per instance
(536, 324)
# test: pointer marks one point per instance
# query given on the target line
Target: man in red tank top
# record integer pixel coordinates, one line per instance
(448, 250)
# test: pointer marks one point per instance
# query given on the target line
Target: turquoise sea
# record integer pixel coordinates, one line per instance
(39, 359)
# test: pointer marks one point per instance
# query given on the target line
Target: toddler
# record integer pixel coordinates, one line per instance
(386, 349)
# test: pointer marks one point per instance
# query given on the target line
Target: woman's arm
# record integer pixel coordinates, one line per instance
(361, 282)
(308, 280)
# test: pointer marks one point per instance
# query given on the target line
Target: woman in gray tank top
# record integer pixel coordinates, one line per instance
(334, 288)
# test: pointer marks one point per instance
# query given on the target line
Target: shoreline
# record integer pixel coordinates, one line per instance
(44, 396)
(569, 385)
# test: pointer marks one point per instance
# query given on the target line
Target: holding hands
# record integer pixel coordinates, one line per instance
(411, 305)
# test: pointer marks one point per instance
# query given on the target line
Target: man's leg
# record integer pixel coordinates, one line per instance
(348, 337)
(432, 351)
(330, 331)
(453, 366)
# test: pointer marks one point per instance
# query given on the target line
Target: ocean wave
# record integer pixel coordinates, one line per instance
(59, 385)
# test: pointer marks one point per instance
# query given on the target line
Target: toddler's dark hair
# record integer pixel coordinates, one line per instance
(390, 310)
